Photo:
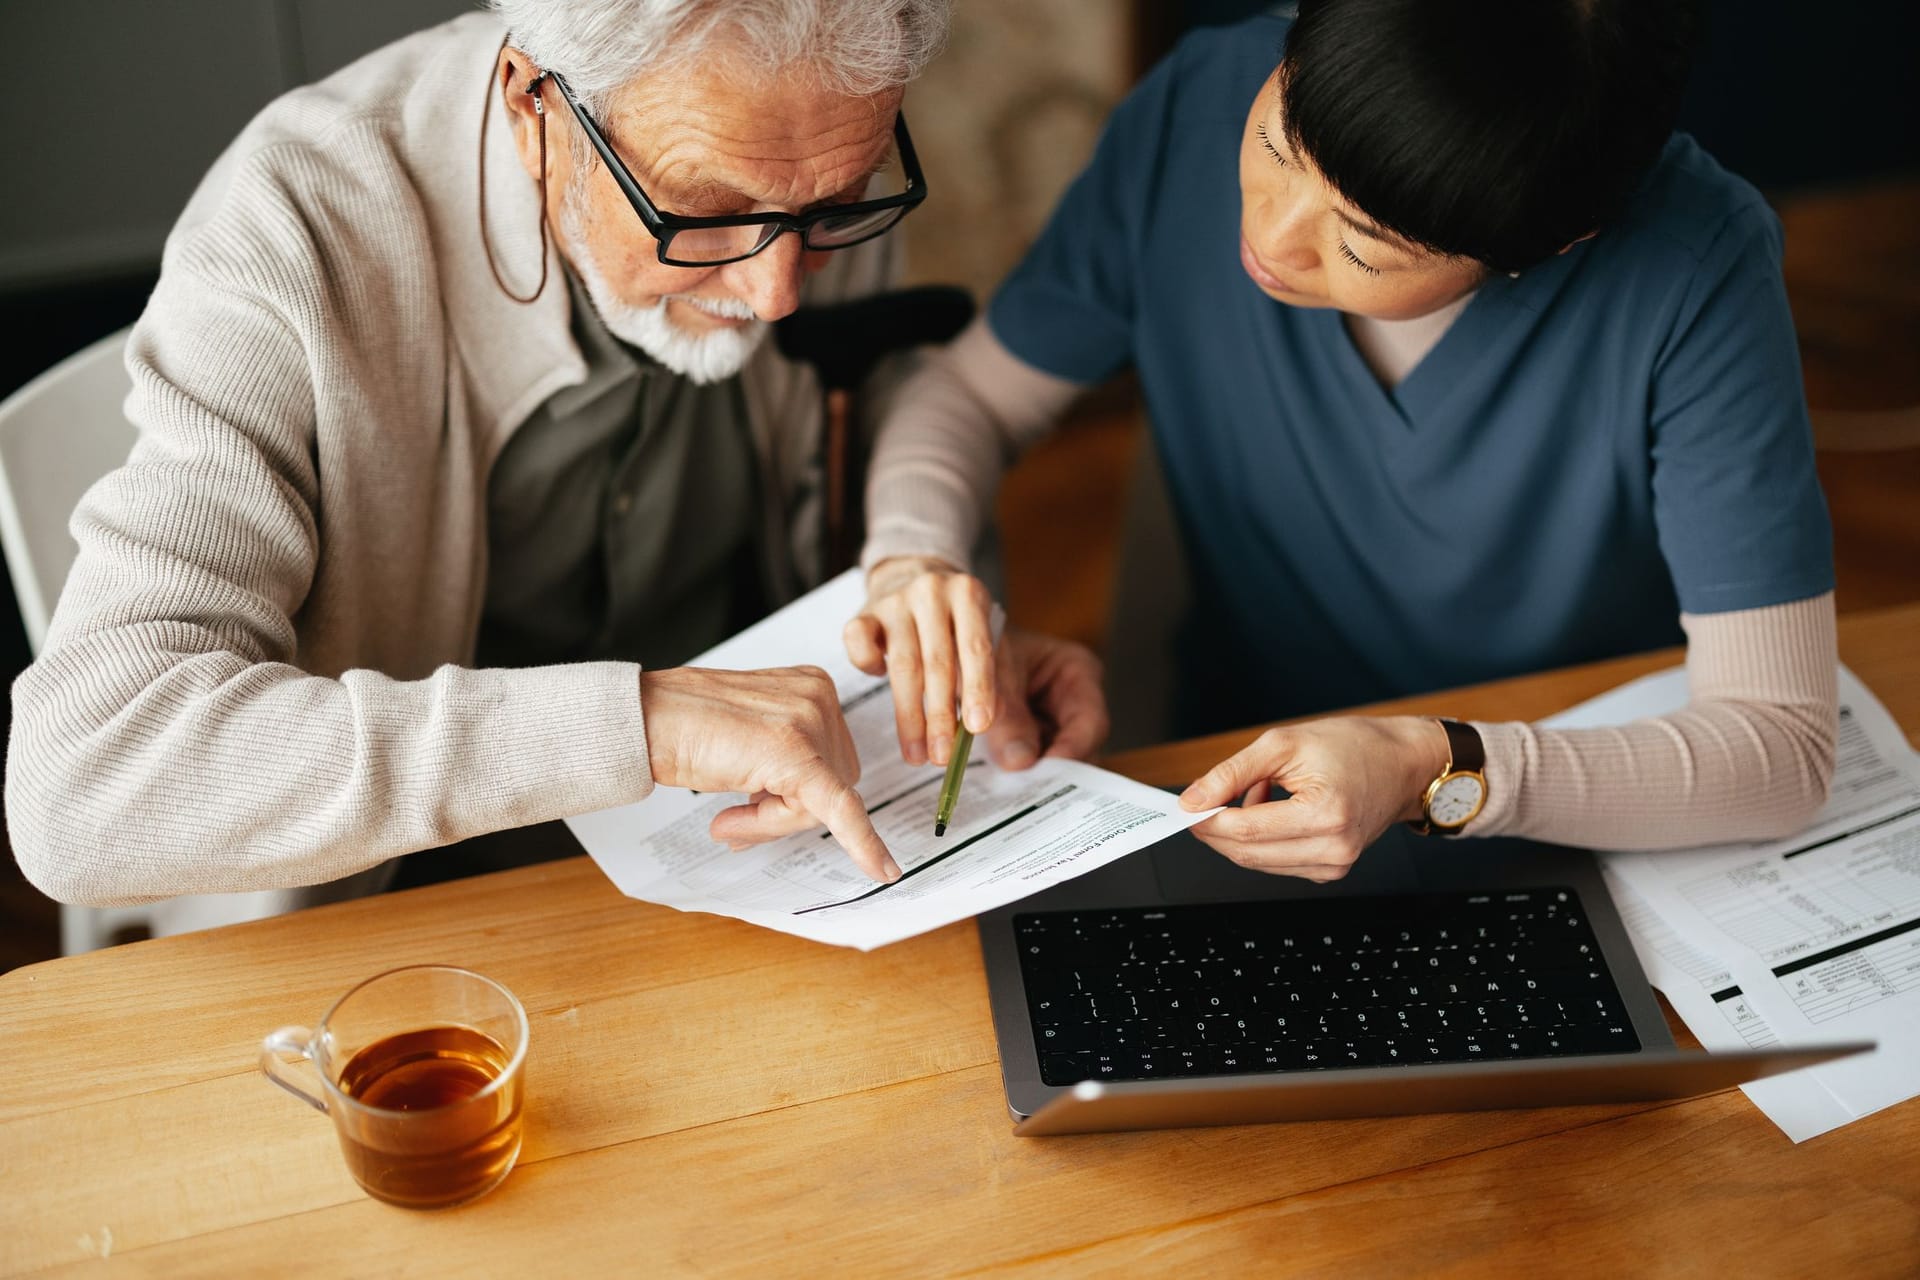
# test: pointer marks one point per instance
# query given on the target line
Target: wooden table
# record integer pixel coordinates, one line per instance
(708, 1097)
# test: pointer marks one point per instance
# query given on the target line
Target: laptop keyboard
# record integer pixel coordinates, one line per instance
(1237, 988)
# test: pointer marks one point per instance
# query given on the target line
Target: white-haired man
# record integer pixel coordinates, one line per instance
(453, 409)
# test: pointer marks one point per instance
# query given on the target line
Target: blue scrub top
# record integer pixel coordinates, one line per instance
(1615, 436)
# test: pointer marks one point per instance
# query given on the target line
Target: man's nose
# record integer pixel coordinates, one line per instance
(769, 281)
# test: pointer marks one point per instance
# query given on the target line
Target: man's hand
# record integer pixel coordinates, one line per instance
(779, 737)
(1348, 780)
(928, 628)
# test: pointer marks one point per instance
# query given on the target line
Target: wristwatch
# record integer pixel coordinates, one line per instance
(1456, 797)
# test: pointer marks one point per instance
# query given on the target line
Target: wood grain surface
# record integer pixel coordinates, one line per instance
(708, 1097)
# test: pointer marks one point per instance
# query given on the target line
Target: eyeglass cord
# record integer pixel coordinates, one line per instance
(486, 244)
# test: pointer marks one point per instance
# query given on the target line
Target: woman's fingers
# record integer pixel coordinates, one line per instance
(902, 666)
(1014, 741)
(1261, 760)
(1296, 836)
(929, 626)
(933, 621)
(1319, 858)
(866, 642)
(1064, 684)
(972, 611)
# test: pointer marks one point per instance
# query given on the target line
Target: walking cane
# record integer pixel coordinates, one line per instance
(844, 342)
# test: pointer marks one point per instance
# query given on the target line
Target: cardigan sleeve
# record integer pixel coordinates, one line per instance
(167, 740)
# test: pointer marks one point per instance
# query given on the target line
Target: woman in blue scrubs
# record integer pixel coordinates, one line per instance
(1459, 364)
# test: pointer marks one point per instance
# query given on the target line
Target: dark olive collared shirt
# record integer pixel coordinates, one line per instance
(621, 516)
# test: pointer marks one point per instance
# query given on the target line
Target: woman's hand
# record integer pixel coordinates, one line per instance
(1347, 779)
(1050, 701)
(928, 628)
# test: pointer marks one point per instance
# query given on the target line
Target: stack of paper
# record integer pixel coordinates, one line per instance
(1809, 940)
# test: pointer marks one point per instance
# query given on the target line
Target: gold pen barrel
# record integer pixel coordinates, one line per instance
(950, 785)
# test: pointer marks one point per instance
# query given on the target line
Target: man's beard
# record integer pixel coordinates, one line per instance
(701, 357)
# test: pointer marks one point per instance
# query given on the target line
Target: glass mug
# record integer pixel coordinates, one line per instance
(422, 1070)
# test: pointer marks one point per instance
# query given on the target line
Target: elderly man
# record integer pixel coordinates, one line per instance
(453, 410)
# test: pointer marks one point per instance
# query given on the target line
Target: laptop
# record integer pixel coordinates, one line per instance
(1172, 988)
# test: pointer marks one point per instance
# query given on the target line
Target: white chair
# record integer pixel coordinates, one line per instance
(58, 434)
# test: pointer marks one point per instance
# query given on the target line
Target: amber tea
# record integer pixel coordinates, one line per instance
(422, 1070)
(431, 1132)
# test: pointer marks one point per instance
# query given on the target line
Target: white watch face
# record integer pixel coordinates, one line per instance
(1456, 800)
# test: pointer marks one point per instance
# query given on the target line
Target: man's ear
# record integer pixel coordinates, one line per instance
(1577, 240)
(510, 76)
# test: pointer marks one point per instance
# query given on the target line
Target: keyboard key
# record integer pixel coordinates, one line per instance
(1595, 1039)
(1288, 969)
(1355, 1022)
(1394, 1049)
(1461, 1046)
(1180, 1062)
(1272, 1057)
(1275, 1026)
(1231, 1059)
(1567, 983)
(1161, 1004)
(1368, 993)
(1307, 995)
(1064, 1068)
(1502, 1015)
(1361, 1051)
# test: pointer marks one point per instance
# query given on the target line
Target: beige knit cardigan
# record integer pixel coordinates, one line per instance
(255, 676)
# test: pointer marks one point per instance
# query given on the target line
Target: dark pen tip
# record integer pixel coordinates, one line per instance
(939, 828)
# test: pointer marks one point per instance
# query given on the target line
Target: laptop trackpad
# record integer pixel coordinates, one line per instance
(1188, 871)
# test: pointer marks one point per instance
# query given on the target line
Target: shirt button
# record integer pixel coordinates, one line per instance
(622, 503)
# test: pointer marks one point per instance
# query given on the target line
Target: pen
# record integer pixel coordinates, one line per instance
(962, 749)
(950, 787)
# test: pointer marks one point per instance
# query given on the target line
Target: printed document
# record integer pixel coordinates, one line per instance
(1813, 939)
(1012, 835)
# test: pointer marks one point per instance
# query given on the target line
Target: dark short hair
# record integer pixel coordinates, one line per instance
(1499, 130)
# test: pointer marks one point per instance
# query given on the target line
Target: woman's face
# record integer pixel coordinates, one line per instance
(1303, 245)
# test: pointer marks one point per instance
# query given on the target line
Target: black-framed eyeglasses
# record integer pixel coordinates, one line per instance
(709, 242)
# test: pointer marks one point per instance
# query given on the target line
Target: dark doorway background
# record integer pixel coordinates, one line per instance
(1787, 95)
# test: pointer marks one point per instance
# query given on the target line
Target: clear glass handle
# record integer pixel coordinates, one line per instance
(297, 1041)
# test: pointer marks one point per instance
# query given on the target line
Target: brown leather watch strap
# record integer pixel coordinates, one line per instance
(1469, 754)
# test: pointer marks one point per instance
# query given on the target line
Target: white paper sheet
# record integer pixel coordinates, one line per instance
(1012, 835)
(1707, 999)
(1809, 940)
